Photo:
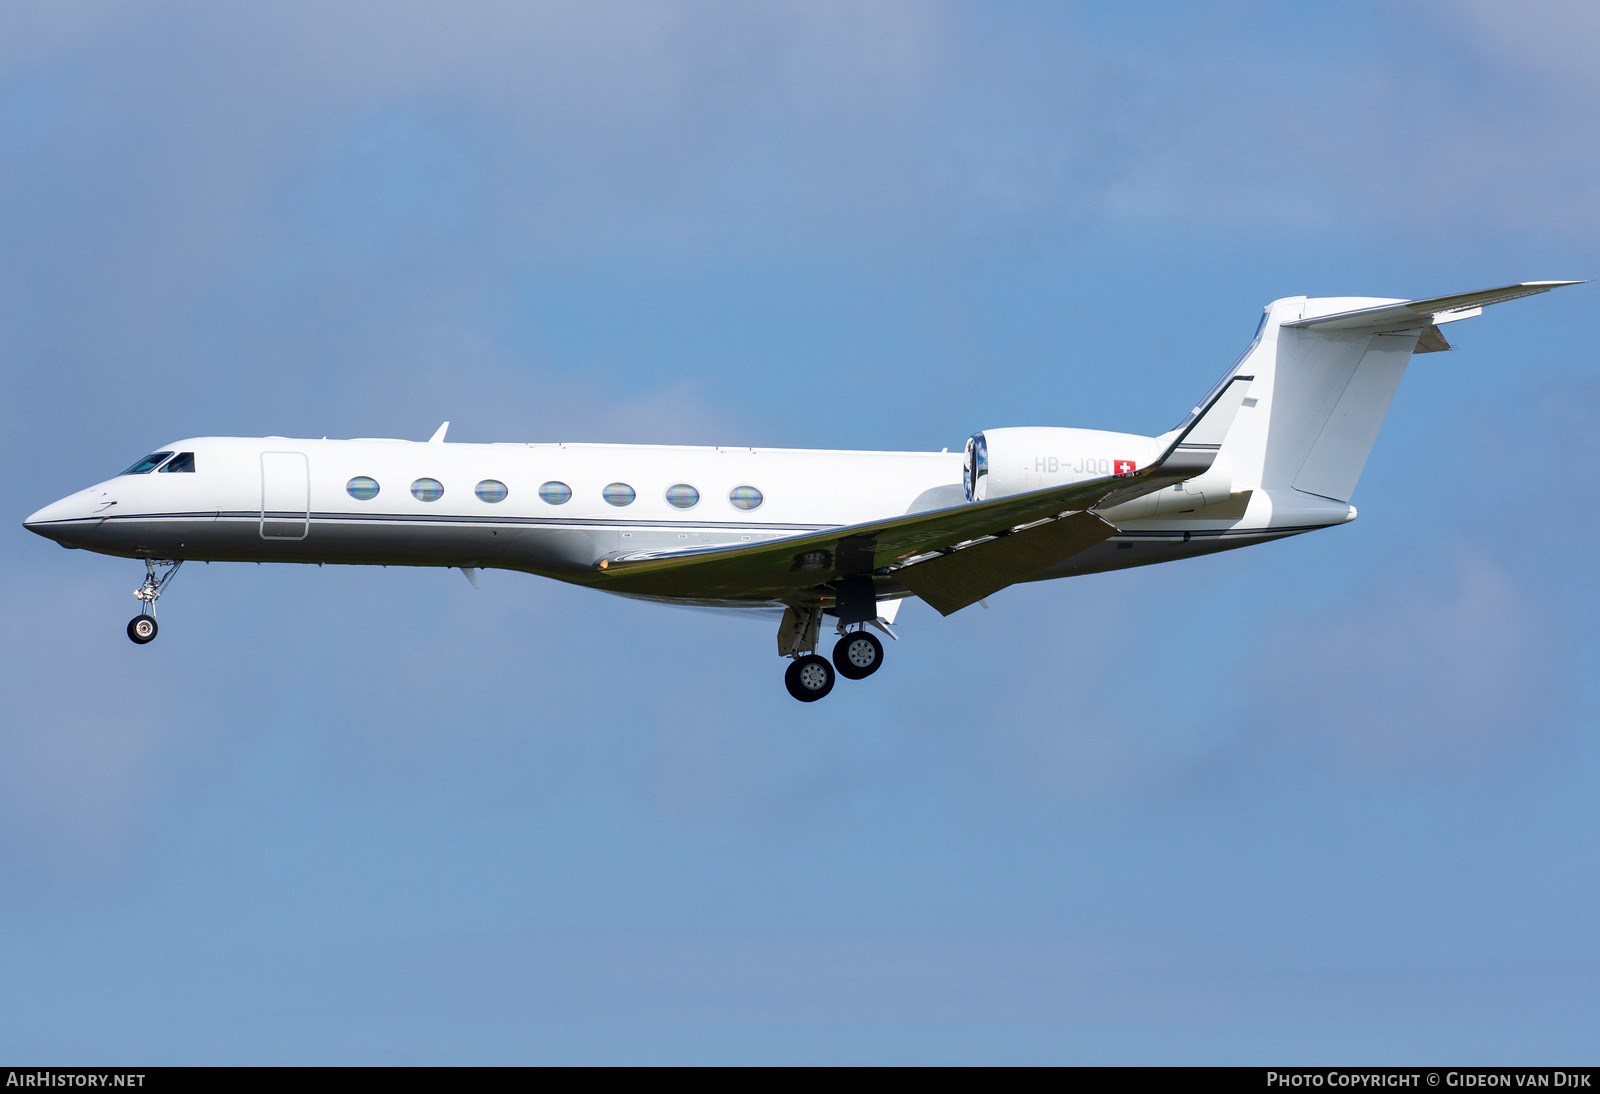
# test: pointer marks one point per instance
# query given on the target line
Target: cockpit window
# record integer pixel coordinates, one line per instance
(183, 461)
(148, 464)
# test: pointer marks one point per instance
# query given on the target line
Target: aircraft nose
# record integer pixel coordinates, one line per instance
(55, 519)
(45, 521)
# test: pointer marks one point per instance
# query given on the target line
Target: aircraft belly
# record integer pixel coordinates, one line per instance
(562, 551)
(140, 537)
(237, 537)
(1126, 551)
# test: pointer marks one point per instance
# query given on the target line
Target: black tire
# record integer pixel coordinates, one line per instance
(142, 628)
(857, 655)
(809, 678)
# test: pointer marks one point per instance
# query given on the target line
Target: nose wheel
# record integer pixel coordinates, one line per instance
(142, 628)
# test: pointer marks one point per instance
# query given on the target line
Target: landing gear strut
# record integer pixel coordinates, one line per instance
(142, 627)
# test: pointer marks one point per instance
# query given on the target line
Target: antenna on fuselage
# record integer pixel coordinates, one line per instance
(438, 434)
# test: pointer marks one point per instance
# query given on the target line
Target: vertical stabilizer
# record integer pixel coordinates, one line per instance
(1337, 455)
(1327, 399)
(1326, 370)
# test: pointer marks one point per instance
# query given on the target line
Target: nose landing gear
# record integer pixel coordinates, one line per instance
(142, 627)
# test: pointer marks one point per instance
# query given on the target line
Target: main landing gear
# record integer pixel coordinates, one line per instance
(856, 656)
(142, 627)
(808, 678)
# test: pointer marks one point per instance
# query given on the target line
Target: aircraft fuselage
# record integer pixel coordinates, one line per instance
(546, 509)
(1274, 449)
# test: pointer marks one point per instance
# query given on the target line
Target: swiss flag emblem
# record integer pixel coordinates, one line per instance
(1123, 467)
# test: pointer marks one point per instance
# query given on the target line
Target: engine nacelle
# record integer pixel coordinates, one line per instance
(1001, 462)
(1211, 488)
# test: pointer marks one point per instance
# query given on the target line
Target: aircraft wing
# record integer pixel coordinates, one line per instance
(782, 569)
(997, 542)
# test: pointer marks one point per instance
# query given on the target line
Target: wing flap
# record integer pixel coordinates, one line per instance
(953, 581)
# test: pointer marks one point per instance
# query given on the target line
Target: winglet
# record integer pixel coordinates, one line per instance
(1194, 449)
(1205, 434)
(438, 434)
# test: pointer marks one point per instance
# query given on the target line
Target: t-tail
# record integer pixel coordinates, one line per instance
(1325, 370)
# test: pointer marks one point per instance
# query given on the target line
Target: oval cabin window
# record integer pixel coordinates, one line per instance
(427, 489)
(362, 488)
(683, 496)
(618, 494)
(491, 491)
(745, 497)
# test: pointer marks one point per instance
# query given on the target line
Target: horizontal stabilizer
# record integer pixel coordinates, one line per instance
(1416, 314)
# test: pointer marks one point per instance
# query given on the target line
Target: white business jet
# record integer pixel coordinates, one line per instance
(1274, 450)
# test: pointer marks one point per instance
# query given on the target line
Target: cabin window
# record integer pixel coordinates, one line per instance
(491, 491)
(683, 496)
(618, 494)
(427, 489)
(362, 488)
(555, 493)
(148, 464)
(183, 461)
(745, 497)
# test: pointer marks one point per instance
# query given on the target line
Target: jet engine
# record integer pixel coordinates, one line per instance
(1211, 488)
(1001, 462)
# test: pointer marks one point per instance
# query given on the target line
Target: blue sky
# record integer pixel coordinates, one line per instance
(1329, 800)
